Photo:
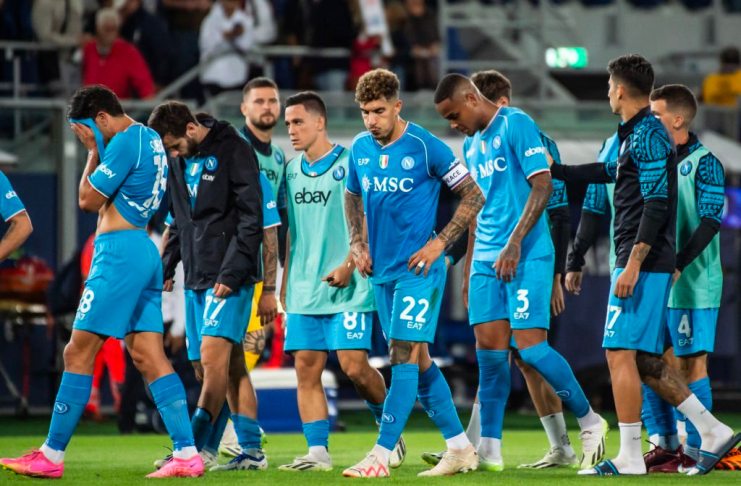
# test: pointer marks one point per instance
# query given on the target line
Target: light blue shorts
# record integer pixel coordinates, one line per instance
(692, 331)
(206, 315)
(329, 332)
(123, 293)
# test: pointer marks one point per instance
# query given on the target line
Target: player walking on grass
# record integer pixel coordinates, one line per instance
(394, 177)
(336, 315)
(497, 88)
(512, 251)
(124, 180)
(216, 230)
(645, 235)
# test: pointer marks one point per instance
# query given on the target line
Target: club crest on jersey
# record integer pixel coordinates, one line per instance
(685, 168)
(497, 142)
(279, 157)
(407, 163)
(339, 173)
(383, 161)
(211, 164)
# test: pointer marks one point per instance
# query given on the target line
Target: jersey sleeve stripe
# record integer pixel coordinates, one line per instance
(537, 172)
(89, 179)
(353, 193)
(271, 226)
(15, 214)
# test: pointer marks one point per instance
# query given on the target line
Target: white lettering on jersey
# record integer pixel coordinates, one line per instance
(10, 195)
(192, 190)
(107, 171)
(486, 169)
(456, 174)
(391, 184)
(207, 177)
(157, 146)
(534, 150)
(363, 161)
(271, 205)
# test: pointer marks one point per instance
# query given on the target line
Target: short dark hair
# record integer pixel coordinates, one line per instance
(635, 72)
(678, 97)
(376, 85)
(311, 102)
(448, 86)
(260, 82)
(171, 118)
(492, 84)
(87, 102)
(730, 55)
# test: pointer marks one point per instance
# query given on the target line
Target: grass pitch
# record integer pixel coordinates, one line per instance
(97, 455)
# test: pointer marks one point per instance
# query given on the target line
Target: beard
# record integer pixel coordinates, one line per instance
(265, 122)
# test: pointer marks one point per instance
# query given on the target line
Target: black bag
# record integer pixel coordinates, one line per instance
(63, 294)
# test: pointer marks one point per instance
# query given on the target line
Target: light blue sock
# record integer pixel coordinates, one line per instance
(494, 387)
(434, 394)
(213, 441)
(377, 409)
(317, 433)
(558, 374)
(248, 432)
(646, 416)
(169, 396)
(399, 403)
(73, 395)
(703, 392)
(202, 427)
(665, 421)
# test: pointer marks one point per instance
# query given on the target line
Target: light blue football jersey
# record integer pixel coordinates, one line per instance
(501, 158)
(133, 172)
(400, 185)
(10, 203)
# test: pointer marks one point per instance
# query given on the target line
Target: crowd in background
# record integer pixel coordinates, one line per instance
(137, 47)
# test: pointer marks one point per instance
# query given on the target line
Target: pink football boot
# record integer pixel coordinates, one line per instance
(180, 468)
(34, 464)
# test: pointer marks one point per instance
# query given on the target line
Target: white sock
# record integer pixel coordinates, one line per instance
(590, 420)
(630, 459)
(382, 452)
(490, 449)
(473, 431)
(185, 452)
(53, 455)
(682, 430)
(653, 441)
(320, 453)
(457, 443)
(696, 413)
(558, 435)
(693, 452)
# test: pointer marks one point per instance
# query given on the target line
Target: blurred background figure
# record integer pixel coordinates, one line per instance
(150, 35)
(424, 36)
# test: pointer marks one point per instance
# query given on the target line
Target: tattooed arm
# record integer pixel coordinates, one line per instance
(509, 257)
(472, 200)
(267, 306)
(358, 245)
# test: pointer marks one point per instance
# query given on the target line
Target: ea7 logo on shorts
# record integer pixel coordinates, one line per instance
(521, 312)
(387, 418)
(211, 164)
(60, 407)
(534, 150)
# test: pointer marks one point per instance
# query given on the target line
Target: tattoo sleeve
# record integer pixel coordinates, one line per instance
(254, 342)
(400, 352)
(662, 378)
(472, 200)
(270, 256)
(540, 192)
(355, 217)
(639, 252)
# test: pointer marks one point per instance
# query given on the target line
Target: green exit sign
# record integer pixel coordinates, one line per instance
(566, 57)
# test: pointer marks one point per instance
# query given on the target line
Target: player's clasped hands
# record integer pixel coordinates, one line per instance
(363, 262)
(424, 258)
(506, 264)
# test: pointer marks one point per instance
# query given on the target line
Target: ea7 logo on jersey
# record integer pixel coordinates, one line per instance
(534, 150)
(309, 197)
(107, 171)
(392, 184)
(363, 161)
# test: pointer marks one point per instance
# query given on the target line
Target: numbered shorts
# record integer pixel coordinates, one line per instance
(638, 322)
(328, 332)
(123, 292)
(692, 331)
(525, 302)
(255, 323)
(409, 306)
(206, 315)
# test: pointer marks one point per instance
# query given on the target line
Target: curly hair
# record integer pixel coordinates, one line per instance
(379, 84)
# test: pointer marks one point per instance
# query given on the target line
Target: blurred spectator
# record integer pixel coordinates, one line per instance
(58, 22)
(15, 20)
(424, 37)
(361, 61)
(149, 34)
(322, 24)
(115, 63)
(724, 87)
(184, 19)
(226, 33)
(397, 19)
(91, 10)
